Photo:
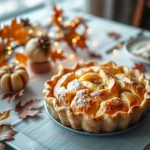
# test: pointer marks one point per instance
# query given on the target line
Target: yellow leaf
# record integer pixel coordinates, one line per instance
(4, 115)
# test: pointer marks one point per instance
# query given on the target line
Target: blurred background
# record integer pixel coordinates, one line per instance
(132, 12)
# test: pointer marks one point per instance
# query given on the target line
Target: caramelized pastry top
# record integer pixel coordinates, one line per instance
(97, 88)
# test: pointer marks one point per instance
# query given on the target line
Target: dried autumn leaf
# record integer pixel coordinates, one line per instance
(22, 58)
(94, 55)
(4, 115)
(57, 17)
(139, 67)
(77, 22)
(68, 37)
(1, 48)
(58, 12)
(3, 61)
(114, 35)
(12, 96)
(81, 42)
(73, 39)
(14, 32)
(57, 55)
(27, 109)
(6, 132)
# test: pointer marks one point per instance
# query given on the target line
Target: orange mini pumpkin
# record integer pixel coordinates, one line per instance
(13, 77)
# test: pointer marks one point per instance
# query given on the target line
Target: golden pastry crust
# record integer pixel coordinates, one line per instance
(98, 97)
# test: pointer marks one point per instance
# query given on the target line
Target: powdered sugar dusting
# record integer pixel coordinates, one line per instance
(73, 85)
(105, 87)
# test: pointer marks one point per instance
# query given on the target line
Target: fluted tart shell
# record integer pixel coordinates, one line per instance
(98, 97)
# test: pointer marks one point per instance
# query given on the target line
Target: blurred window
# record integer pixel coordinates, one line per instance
(11, 8)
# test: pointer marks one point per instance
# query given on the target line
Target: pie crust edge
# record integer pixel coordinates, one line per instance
(102, 123)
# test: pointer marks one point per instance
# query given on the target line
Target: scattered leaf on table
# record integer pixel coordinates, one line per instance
(57, 55)
(12, 96)
(14, 32)
(6, 132)
(22, 58)
(114, 35)
(26, 22)
(4, 115)
(94, 55)
(27, 110)
(139, 67)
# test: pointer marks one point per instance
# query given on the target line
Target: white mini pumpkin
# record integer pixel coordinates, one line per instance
(34, 51)
(13, 77)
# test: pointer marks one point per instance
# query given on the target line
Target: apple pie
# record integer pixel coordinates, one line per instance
(98, 97)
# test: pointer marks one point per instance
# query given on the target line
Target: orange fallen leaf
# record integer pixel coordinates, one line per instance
(22, 58)
(14, 32)
(4, 115)
(57, 55)
(3, 61)
(6, 132)
(57, 17)
(81, 43)
(12, 96)
(74, 39)
(27, 109)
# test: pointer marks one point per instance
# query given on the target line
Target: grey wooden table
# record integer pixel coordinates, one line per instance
(42, 133)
